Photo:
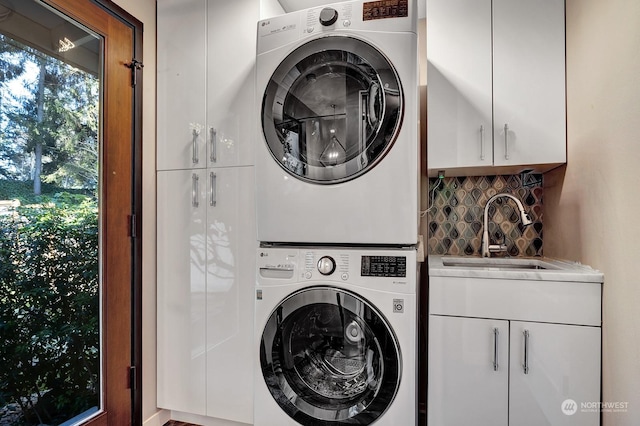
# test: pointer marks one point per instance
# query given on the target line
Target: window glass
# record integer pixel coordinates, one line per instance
(50, 154)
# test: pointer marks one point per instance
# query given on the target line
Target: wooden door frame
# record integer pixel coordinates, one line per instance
(121, 369)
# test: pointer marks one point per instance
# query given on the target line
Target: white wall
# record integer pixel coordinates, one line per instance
(592, 207)
(145, 11)
(269, 8)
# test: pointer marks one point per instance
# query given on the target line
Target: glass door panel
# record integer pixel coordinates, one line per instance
(329, 357)
(332, 109)
(50, 186)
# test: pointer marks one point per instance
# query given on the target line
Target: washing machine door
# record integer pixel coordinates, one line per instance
(332, 109)
(329, 357)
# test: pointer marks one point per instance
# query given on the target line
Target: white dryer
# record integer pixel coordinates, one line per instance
(335, 337)
(337, 148)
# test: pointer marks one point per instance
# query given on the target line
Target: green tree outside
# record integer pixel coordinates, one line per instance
(49, 265)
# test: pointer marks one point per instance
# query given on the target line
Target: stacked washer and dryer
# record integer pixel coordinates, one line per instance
(337, 216)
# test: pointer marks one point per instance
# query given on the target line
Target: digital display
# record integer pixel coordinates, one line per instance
(384, 266)
(385, 9)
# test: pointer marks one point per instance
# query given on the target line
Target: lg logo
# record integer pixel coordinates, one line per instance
(569, 407)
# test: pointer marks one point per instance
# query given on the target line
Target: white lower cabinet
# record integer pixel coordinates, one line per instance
(552, 367)
(492, 372)
(205, 271)
(465, 386)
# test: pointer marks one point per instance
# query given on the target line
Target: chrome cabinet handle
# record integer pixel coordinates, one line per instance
(506, 141)
(214, 190)
(194, 190)
(495, 348)
(525, 366)
(213, 133)
(194, 146)
(481, 142)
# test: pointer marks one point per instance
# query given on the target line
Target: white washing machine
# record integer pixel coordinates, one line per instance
(335, 337)
(337, 147)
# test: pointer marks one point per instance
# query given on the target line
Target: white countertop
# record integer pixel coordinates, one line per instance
(514, 268)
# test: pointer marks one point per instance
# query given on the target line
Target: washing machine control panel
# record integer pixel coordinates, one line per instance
(388, 270)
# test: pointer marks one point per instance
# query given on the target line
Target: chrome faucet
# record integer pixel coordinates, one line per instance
(487, 247)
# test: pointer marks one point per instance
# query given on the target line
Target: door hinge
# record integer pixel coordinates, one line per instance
(134, 66)
(132, 226)
(132, 377)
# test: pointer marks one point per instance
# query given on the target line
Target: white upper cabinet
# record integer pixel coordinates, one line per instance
(181, 84)
(529, 82)
(206, 56)
(459, 125)
(231, 117)
(496, 85)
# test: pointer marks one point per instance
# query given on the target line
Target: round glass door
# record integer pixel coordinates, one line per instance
(329, 358)
(332, 110)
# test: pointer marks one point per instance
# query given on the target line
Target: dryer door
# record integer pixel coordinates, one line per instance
(332, 110)
(328, 357)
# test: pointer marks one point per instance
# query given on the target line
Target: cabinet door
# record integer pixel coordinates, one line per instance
(529, 82)
(181, 84)
(231, 247)
(231, 53)
(562, 363)
(459, 129)
(468, 371)
(181, 299)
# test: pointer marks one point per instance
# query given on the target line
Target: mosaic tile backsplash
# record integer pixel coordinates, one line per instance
(455, 218)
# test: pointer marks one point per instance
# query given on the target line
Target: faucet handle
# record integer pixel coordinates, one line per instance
(500, 247)
(497, 248)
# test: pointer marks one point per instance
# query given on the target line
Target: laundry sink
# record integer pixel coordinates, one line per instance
(497, 263)
(513, 268)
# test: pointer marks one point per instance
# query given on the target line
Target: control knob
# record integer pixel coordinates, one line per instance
(326, 265)
(328, 16)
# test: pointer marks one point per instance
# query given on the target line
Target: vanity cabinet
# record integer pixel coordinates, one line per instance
(205, 268)
(477, 372)
(205, 83)
(495, 86)
(511, 346)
